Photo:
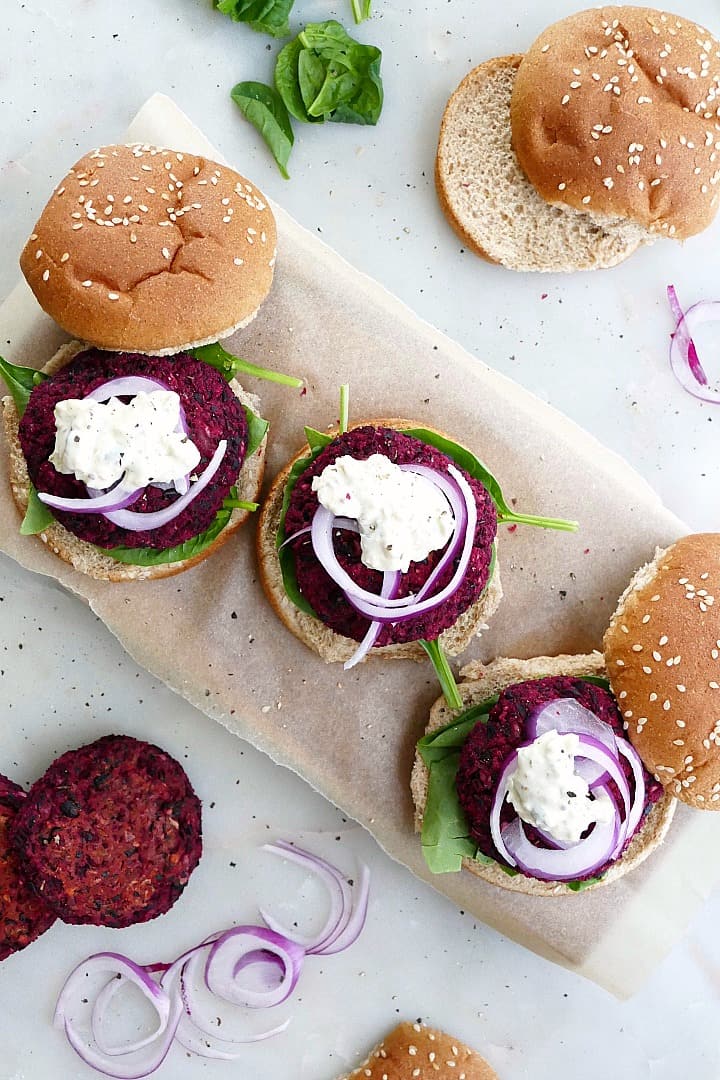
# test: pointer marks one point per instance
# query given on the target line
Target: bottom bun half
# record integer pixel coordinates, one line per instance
(485, 680)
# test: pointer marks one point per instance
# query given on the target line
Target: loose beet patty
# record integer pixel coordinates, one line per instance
(23, 914)
(327, 599)
(111, 833)
(212, 412)
(489, 745)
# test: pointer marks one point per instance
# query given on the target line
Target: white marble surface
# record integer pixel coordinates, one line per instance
(71, 76)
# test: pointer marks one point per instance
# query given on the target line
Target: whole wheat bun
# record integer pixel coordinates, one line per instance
(84, 556)
(615, 112)
(491, 204)
(662, 650)
(149, 250)
(321, 639)
(485, 680)
(416, 1052)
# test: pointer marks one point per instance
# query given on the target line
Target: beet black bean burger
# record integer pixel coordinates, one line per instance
(110, 834)
(534, 785)
(382, 538)
(139, 462)
(24, 915)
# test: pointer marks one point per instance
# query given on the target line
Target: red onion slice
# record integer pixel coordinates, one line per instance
(567, 864)
(109, 501)
(568, 717)
(136, 522)
(684, 359)
(685, 340)
(222, 966)
(337, 886)
(453, 494)
(390, 584)
(167, 1009)
(355, 923)
(638, 801)
(126, 386)
(501, 791)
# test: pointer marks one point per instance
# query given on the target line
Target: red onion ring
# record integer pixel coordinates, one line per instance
(126, 386)
(568, 716)
(638, 802)
(566, 864)
(390, 585)
(684, 359)
(136, 522)
(222, 966)
(103, 503)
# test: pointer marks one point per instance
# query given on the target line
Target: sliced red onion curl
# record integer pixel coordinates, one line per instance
(562, 864)
(389, 590)
(684, 359)
(219, 964)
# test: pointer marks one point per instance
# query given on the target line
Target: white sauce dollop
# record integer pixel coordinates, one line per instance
(547, 792)
(402, 516)
(137, 443)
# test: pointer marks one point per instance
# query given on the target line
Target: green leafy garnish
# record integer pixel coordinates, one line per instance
(229, 365)
(361, 10)
(265, 16)
(344, 407)
(257, 430)
(475, 468)
(446, 839)
(20, 381)
(443, 671)
(38, 516)
(266, 111)
(324, 74)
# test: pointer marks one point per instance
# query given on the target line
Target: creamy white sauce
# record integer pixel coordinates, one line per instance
(137, 443)
(546, 791)
(402, 516)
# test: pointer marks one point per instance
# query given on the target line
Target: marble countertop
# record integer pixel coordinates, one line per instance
(71, 76)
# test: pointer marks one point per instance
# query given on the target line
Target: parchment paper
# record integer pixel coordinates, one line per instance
(211, 636)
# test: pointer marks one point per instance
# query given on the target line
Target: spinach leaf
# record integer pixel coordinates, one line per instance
(361, 10)
(38, 516)
(265, 16)
(317, 439)
(285, 554)
(446, 836)
(475, 468)
(257, 430)
(287, 82)
(324, 74)
(265, 109)
(229, 365)
(20, 381)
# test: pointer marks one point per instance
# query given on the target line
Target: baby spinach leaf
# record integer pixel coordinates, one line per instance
(20, 381)
(324, 74)
(229, 366)
(257, 430)
(475, 468)
(38, 516)
(317, 439)
(265, 16)
(265, 109)
(285, 554)
(443, 671)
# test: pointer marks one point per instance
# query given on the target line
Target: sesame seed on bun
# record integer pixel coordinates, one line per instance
(662, 650)
(615, 112)
(142, 249)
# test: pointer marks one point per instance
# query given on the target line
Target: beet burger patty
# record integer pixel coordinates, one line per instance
(111, 833)
(23, 914)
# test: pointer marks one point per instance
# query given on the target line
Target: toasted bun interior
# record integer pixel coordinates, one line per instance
(321, 639)
(142, 249)
(485, 680)
(662, 650)
(416, 1052)
(615, 112)
(491, 204)
(89, 559)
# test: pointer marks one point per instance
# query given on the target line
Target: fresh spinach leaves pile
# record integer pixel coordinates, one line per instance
(22, 380)
(322, 74)
(446, 839)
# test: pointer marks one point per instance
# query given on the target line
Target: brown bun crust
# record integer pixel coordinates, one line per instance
(663, 656)
(89, 559)
(615, 112)
(312, 632)
(416, 1052)
(178, 250)
(484, 680)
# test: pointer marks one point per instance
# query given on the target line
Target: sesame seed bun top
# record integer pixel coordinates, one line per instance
(147, 250)
(615, 112)
(662, 650)
(416, 1052)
